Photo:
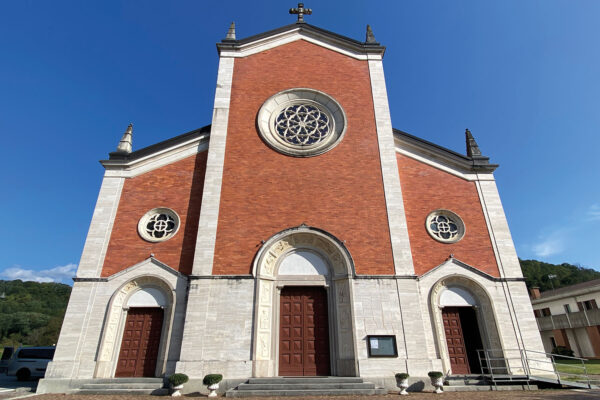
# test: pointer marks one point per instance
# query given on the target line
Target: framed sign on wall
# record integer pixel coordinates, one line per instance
(382, 346)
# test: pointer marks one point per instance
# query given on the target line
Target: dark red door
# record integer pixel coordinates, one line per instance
(303, 332)
(455, 341)
(141, 339)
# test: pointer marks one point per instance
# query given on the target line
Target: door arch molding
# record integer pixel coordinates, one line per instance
(114, 324)
(484, 311)
(337, 282)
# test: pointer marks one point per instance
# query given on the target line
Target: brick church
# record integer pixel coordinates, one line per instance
(299, 234)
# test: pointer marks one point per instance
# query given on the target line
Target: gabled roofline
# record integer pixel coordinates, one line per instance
(120, 158)
(478, 164)
(308, 30)
(473, 164)
(470, 268)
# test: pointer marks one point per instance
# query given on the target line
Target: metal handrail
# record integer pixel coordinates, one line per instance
(527, 364)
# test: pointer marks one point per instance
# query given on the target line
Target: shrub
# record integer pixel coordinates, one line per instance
(402, 375)
(211, 379)
(562, 351)
(178, 379)
(435, 374)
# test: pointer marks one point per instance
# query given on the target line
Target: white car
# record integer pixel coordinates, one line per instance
(30, 362)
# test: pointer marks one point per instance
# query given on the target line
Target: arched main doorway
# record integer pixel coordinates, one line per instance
(303, 306)
(134, 342)
(464, 322)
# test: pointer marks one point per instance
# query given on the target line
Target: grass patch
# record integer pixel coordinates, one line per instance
(574, 367)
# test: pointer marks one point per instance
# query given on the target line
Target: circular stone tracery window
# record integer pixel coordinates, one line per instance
(158, 224)
(301, 122)
(445, 226)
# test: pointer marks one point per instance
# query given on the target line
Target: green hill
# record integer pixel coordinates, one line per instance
(536, 274)
(31, 313)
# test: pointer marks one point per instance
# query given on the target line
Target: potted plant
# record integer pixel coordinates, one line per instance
(177, 381)
(437, 380)
(212, 382)
(402, 378)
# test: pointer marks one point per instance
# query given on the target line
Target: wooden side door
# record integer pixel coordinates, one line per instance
(455, 341)
(303, 332)
(140, 344)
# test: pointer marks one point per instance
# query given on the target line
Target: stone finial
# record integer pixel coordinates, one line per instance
(124, 146)
(231, 32)
(370, 36)
(472, 147)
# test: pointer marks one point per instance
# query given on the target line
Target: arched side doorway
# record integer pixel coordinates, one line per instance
(136, 330)
(303, 270)
(464, 323)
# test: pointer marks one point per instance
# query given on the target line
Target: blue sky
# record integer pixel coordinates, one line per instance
(523, 76)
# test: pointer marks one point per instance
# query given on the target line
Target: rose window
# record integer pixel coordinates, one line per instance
(158, 225)
(445, 226)
(302, 124)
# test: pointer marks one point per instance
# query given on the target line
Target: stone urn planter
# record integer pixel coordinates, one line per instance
(402, 380)
(212, 383)
(177, 381)
(437, 380)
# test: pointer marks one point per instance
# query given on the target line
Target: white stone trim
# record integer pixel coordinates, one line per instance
(506, 255)
(280, 39)
(130, 169)
(96, 243)
(211, 196)
(403, 262)
(438, 165)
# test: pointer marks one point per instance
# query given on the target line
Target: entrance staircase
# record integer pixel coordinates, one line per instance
(129, 386)
(303, 386)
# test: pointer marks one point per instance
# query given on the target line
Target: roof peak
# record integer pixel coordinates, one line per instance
(311, 32)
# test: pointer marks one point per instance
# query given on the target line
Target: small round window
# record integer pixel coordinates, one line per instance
(158, 225)
(445, 226)
(301, 122)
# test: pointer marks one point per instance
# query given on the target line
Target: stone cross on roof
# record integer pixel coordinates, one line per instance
(301, 11)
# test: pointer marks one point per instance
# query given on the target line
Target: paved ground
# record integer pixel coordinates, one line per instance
(10, 387)
(534, 395)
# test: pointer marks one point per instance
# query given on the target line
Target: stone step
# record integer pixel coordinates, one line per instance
(305, 386)
(155, 392)
(487, 388)
(127, 380)
(304, 380)
(293, 392)
(465, 382)
(100, 386)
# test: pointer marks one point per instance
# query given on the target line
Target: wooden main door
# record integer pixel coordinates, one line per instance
(455, 341)
(141, 340)
(303, 332)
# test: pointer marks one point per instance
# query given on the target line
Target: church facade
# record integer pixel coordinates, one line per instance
(297, 235)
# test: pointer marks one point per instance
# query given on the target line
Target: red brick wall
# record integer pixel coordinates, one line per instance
(265, 192)
(177, 186)
(425, 189)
